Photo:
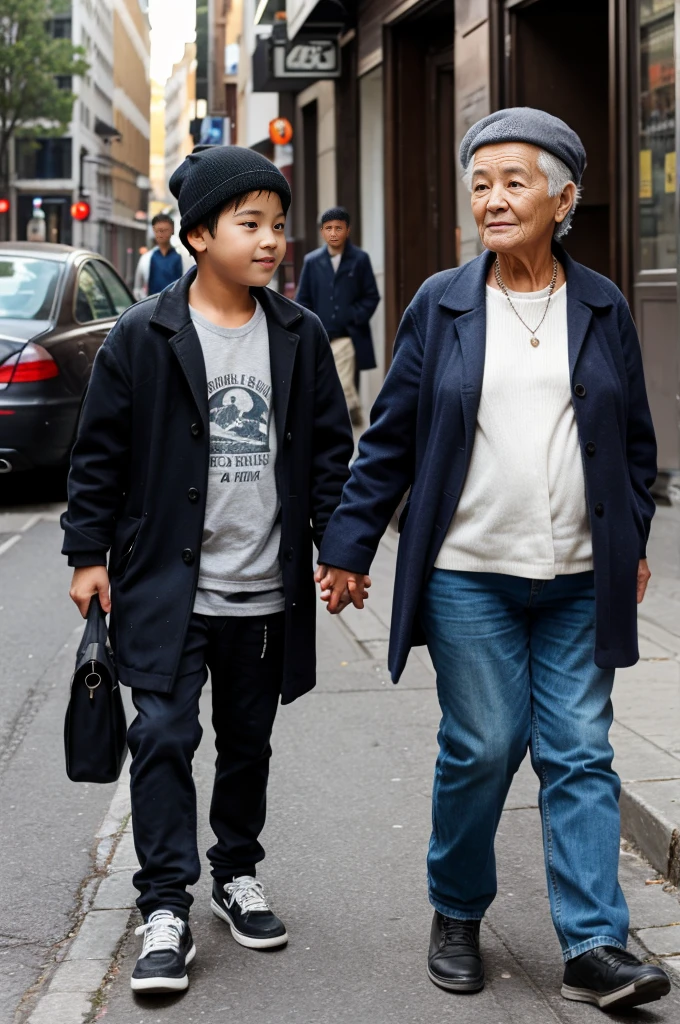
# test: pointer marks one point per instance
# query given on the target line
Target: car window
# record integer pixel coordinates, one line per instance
(92, 298)
(27, 287)
(116, 288)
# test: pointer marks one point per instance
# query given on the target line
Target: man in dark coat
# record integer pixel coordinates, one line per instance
(338, 284)
(207, 518)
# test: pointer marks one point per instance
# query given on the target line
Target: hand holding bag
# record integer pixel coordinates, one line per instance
(95, 730)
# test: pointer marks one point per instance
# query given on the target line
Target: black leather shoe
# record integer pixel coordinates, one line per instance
(613, 979)
(454, 961)
(167, 951)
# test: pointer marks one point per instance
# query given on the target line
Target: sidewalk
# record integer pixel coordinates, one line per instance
(346, 839)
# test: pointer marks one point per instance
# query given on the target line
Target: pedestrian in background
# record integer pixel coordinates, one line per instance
(212, 449)
(337, 283)
(515, 411)
(161, 265)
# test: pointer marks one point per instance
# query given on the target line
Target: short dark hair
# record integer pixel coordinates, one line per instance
(211, 218)
(162, 218)
(335, 213)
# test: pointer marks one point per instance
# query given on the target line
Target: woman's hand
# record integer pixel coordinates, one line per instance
(339, 588)
(643, 578)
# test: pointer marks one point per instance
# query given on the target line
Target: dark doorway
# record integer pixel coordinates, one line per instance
(420, 166)
(557, 59)
(310, 191)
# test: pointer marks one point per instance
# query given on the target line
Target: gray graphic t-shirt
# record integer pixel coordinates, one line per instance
(240, 572)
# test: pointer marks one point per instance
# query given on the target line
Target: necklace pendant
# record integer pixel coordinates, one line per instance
(535, 342)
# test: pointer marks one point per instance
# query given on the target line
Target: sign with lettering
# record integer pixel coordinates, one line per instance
(312, 58)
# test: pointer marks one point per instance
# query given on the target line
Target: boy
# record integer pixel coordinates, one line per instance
(213, 447)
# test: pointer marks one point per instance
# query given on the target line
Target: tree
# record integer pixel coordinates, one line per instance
(32, 104)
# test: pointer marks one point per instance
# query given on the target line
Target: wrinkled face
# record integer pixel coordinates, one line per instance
(510, 200)
(162, 232)
(249, 243)
(335, 233)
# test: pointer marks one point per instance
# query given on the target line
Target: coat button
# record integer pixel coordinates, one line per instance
(580, 391)
(591, 448)
(188, 556)
(599, 509)
(289, 555)
(289, 437)
(192, 494)
(196, 429)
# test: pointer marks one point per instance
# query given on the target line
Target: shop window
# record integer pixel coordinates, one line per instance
(657, 175)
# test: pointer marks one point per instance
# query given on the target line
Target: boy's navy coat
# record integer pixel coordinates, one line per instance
(423, 428)
(344, 300)
(139, 475)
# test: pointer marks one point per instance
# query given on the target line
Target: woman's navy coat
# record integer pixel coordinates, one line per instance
(423, 428)
(139, 476)
(344, 299)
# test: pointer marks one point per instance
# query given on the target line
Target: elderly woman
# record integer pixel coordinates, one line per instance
(515, 411)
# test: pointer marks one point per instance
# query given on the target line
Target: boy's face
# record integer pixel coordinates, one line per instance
(249, 243)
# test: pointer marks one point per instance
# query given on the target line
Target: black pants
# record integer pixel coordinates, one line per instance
(245, 659)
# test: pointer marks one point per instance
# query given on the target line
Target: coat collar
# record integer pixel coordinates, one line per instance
(172, 305)
(172, 313)
(466, 290)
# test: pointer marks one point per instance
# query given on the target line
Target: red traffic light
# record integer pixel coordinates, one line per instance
(80, 210)
(4, 205)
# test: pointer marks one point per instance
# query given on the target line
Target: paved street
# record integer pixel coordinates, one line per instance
(346, 836)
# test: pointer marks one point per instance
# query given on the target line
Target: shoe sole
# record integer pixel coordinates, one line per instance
(647, 990)
(456, 986)
(152, 986)
(247, 940)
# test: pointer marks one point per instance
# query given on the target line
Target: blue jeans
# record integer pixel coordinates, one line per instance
(515, 669)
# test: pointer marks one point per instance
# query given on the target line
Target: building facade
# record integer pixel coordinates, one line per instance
(382, 138)
(104, 156)
(180, 111)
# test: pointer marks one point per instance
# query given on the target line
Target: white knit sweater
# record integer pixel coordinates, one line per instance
(523, 508)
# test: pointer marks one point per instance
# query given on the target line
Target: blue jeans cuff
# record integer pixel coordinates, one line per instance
(583, 947)
(471, 915)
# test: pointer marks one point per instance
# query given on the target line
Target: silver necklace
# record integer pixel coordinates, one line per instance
(501, 284)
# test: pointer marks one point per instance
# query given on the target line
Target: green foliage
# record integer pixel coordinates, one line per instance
(31, 103)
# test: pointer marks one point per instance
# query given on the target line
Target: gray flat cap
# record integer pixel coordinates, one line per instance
(525, 124)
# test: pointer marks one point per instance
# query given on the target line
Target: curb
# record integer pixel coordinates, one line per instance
(86, 961)
(648, 828)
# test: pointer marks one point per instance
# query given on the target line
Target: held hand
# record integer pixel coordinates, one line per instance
(339, 588)
(90, 580)
(643, 578)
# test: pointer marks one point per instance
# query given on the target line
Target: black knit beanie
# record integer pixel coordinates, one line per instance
(212, 175)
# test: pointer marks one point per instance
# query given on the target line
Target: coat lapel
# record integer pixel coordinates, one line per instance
(471, 331)
(282, 350)
(187, 348)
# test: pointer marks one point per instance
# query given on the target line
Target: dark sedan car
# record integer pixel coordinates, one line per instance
(57, 304)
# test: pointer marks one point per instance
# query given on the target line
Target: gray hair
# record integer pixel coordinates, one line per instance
(558, 175)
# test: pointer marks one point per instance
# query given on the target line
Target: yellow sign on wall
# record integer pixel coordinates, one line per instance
(646, 183)
(669, 172)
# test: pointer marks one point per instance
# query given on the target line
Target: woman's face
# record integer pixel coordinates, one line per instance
(510, 200)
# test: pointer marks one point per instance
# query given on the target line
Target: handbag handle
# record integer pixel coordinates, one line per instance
(95, 626)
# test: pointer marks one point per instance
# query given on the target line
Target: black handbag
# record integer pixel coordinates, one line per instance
(95, 730)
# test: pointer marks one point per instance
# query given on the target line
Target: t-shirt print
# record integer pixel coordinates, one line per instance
(239, 407)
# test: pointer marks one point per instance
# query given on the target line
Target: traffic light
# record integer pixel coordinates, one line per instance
(80, 210)
(4, 205)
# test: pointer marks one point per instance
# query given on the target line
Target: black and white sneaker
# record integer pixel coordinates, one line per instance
(167, 950)
(243, 906)
(613, 979)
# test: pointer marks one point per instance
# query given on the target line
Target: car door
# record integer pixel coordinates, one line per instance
(93, 310)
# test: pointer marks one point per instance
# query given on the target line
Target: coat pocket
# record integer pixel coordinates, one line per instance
(124, 545)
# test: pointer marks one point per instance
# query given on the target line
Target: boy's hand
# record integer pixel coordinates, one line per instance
(91, 579)
(339, 588)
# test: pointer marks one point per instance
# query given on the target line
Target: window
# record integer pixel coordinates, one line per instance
(119, 294)
(60, 27)
(43, 158)
(64, 82)
(27, 287)
(657, 136)
(92, 300)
